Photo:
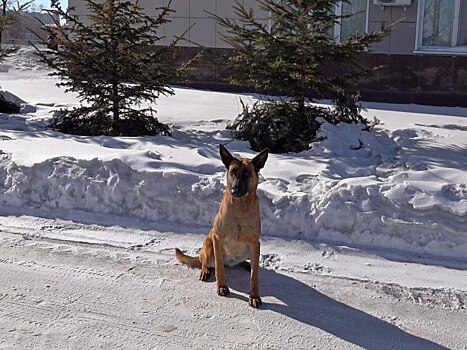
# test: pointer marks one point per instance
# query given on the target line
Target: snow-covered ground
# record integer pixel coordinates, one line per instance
(386, 209)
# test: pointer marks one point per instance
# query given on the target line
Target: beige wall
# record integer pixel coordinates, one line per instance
(190, 13)
(402, 39)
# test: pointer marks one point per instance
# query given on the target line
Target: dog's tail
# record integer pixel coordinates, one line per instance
(185, 259)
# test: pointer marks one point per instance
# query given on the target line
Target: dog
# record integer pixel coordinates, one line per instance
(234, 236)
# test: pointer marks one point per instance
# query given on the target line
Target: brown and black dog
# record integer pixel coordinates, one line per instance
(234, 236)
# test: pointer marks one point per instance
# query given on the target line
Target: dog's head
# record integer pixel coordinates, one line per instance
(242, 173)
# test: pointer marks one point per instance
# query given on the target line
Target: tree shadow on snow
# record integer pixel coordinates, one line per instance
(305, 304)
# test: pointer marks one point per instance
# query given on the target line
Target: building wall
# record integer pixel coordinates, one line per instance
(402, 40)
(193, 14)
(28, 27)
(423, 79)
(408, 75)
(205, 31)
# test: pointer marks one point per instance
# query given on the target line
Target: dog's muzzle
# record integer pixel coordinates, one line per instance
(237, 193)
(238, 188)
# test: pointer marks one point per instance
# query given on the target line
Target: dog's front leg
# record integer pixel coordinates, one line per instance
(254, 300)
(222, 288)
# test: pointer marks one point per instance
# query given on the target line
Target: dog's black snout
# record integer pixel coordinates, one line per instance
(235, 192)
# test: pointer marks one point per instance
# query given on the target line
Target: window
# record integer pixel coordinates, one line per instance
(355, 24)
(442, 25)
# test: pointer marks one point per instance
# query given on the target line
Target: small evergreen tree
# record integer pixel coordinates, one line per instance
(111, 58)
(296, 57)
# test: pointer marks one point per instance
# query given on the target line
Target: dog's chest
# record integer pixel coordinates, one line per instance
(235, 251)
(238, 229)
(235, 247)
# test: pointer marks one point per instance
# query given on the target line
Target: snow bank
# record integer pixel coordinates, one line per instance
(108, 187)
(357, 197)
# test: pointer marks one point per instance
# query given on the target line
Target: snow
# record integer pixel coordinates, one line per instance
(364, 240)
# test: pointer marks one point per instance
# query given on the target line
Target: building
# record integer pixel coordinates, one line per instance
(424, 58)
(28, 27)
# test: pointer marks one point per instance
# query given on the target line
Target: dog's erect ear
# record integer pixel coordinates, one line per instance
(260, 160)
(226, 157)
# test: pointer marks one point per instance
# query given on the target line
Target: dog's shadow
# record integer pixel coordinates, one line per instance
(303, 303)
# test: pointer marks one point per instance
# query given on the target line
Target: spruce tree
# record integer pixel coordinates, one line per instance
(295, 56)
(113, 59)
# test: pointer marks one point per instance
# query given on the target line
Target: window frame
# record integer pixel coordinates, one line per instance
(441, 50)
(338, 26)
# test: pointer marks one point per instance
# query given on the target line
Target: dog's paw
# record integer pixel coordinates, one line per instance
(204, 274)
(254, 302)
(223, 291)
